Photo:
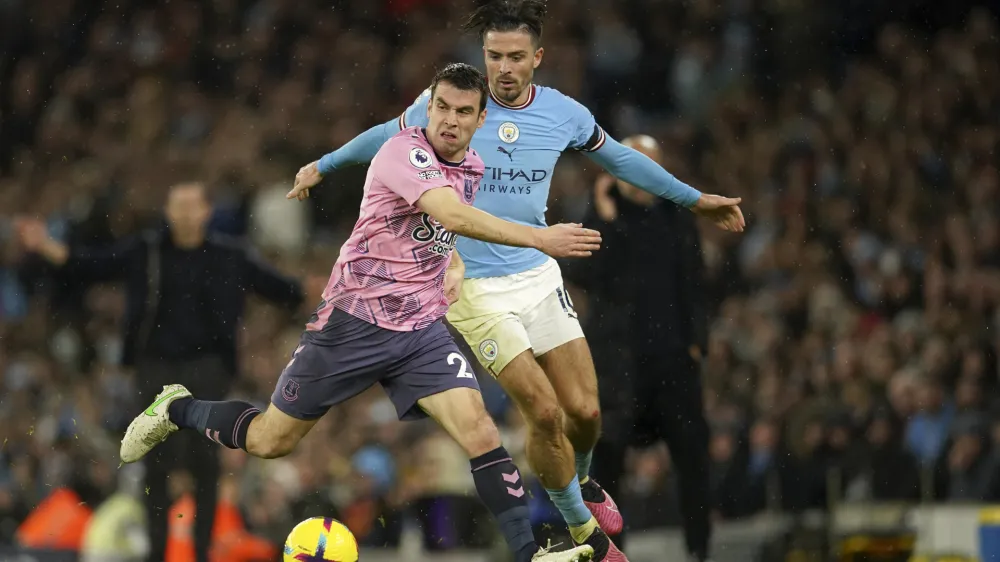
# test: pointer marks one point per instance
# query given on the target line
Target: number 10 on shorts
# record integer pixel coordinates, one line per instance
(463, 372)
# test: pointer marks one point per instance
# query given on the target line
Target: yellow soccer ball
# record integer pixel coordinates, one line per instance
(321, 539)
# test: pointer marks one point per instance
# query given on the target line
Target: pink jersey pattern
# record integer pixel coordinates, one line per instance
(391, 270)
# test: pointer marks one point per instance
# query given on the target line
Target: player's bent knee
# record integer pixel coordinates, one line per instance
(462, 414)
(546, 419)
(484, 438)
(526, 383)
(542, 412)
(272, 444)
(584, 411)
(275, 434)
(273, 447)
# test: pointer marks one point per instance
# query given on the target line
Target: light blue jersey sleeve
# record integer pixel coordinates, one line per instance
(416, 114)
(362, 148)
(625, 163)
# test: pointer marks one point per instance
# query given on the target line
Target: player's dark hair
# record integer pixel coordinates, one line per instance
(464, 77)
(509, 15)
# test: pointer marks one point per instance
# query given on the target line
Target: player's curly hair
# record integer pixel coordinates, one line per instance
(508, 15)
(463, 77)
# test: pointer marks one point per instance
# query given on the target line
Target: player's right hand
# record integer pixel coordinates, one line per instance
(723, 211)
(306, 179)
(569, 241)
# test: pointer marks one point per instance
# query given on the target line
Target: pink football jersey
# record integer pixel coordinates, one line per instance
(391, 270)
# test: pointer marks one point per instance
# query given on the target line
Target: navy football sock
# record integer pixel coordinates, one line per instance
(499, 485)
(225, 423)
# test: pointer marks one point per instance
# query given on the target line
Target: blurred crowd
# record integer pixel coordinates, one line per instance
(853, 353)
(855, 335)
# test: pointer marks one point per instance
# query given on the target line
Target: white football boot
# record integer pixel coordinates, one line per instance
(152, 426)
(582, 553)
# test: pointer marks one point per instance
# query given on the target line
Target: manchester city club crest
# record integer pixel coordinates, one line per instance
(489, 349)
(508, 132)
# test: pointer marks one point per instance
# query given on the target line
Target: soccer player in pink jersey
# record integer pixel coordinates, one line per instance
(381, 316)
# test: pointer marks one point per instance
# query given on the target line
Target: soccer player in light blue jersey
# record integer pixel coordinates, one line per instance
(514, 311)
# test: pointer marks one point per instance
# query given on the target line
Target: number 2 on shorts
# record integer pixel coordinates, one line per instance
(463, 373)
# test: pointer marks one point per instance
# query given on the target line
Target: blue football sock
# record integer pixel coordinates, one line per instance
(583, 464)
(569, 502)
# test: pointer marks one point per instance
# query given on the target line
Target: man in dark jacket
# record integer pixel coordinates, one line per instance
(185, 293)
(970, 466)
(648, 330)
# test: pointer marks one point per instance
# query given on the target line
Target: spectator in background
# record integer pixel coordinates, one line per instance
(117, 530)
(928, 430)
(889, 472)
(845, 453)
(186, 293)
(973, 473)
(804, 470)
(757, 491)
(727, 471)
(652, 266)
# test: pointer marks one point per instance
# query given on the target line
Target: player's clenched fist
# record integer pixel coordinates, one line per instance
(569, 241)
(306, 179)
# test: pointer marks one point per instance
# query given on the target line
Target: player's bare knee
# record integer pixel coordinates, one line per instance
(584, 411)
(547, 418)
(484, 438)
(273, 447)
(271, 444)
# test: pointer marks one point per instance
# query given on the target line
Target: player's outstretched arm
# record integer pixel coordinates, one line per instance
(359, 150)
(559, 241)
(641, 171)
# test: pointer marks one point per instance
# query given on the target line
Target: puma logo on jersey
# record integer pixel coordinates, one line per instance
(509, 154)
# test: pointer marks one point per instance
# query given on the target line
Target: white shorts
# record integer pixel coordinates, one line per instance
(500, 317)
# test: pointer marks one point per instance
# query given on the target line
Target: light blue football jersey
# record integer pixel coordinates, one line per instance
(520, 146)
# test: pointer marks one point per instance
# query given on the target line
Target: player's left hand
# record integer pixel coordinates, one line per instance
(723, 211)
(306, 179)
(453, 278)
(568, 240)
